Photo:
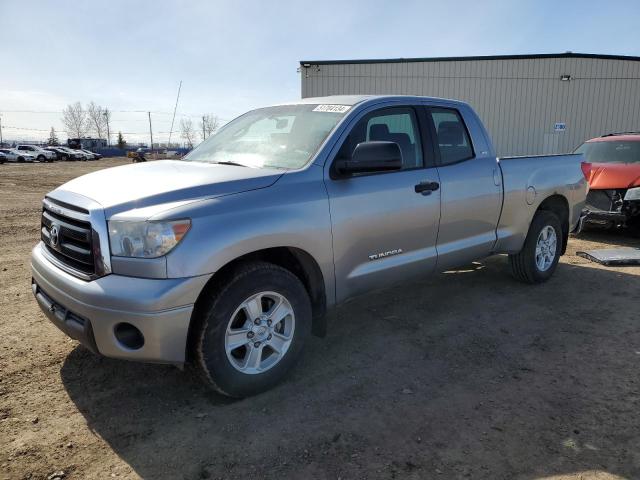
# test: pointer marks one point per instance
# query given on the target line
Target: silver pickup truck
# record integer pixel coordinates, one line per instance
(229, 258)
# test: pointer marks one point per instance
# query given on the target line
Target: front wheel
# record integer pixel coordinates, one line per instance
(539, 256)
(250, 330)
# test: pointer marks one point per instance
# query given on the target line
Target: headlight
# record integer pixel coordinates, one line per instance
(145, 239)
(633, 194)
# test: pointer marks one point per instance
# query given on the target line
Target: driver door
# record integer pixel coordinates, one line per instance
(385, 225)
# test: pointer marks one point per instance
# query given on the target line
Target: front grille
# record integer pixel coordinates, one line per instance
(68, 240)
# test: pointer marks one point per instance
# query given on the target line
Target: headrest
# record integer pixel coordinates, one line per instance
(379, 131)
(450, 133)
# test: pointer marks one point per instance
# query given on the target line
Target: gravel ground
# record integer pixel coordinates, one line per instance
(468, 374)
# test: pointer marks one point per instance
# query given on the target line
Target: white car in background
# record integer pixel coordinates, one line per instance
(14, 155)
(40, 153)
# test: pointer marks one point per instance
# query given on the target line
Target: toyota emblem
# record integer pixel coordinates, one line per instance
(53, 235)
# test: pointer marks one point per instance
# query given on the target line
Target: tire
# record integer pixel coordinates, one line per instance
(41, 159)
(221, 308)
(65, 158)
(526, 265)
(20, 159)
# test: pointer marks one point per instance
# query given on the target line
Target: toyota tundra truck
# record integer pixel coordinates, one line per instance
(228, 259)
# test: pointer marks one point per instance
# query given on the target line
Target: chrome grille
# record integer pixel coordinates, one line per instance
(68, 238)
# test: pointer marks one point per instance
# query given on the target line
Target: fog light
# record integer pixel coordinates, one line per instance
(129, 336)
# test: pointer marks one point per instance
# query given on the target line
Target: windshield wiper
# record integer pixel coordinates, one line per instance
(232, 163)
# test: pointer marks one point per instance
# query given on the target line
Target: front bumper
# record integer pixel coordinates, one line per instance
(90, 311)
(608, 207)
(601, 216)
(627, 213)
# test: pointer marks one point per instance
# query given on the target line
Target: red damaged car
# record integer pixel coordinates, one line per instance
(612, 168)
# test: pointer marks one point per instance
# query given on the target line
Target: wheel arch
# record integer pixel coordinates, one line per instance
(297, 261)
(558, 205)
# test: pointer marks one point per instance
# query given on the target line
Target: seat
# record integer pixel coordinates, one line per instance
(380, 132)
(451, 139)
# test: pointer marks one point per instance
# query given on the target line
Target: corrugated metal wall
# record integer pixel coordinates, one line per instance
(520, 100)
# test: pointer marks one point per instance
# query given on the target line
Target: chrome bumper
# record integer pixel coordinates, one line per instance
(89, 311)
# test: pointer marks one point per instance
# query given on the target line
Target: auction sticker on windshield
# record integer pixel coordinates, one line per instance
(332, 108)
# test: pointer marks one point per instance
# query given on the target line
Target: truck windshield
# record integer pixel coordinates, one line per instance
(284, 137)
(610, 152)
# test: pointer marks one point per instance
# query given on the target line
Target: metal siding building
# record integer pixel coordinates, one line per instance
(520, 98)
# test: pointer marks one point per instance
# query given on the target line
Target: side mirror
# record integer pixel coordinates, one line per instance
(372, 157)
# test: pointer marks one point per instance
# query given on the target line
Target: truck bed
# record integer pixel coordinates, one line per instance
(527, 182)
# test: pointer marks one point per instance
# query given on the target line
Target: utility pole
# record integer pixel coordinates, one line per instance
(204, 137)
(0, 130)
(106, 116)
(150, 131)
(174, 113)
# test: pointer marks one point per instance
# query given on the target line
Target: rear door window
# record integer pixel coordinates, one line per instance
(452, 136)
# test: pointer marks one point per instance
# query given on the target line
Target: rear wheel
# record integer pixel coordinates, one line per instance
(539, 256)
(250, 330)
(20, 159)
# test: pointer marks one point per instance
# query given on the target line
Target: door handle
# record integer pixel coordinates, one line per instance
(425, 188)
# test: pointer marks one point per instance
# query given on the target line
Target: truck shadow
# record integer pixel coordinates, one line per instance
(468, 374)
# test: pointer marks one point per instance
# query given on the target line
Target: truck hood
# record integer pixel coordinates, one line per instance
(141, 185)
(603, 176)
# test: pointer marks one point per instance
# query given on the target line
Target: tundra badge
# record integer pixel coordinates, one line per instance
(388, 253)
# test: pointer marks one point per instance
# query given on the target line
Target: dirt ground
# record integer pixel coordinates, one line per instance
(466, 375)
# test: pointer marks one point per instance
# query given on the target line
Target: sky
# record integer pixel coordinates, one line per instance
(232, 56)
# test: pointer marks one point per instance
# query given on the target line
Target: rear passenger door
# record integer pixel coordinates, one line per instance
(471, 188)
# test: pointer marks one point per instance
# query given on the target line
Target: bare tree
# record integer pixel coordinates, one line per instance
(208, 125)
(74, 119)
(97, 120)
(188, 132)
